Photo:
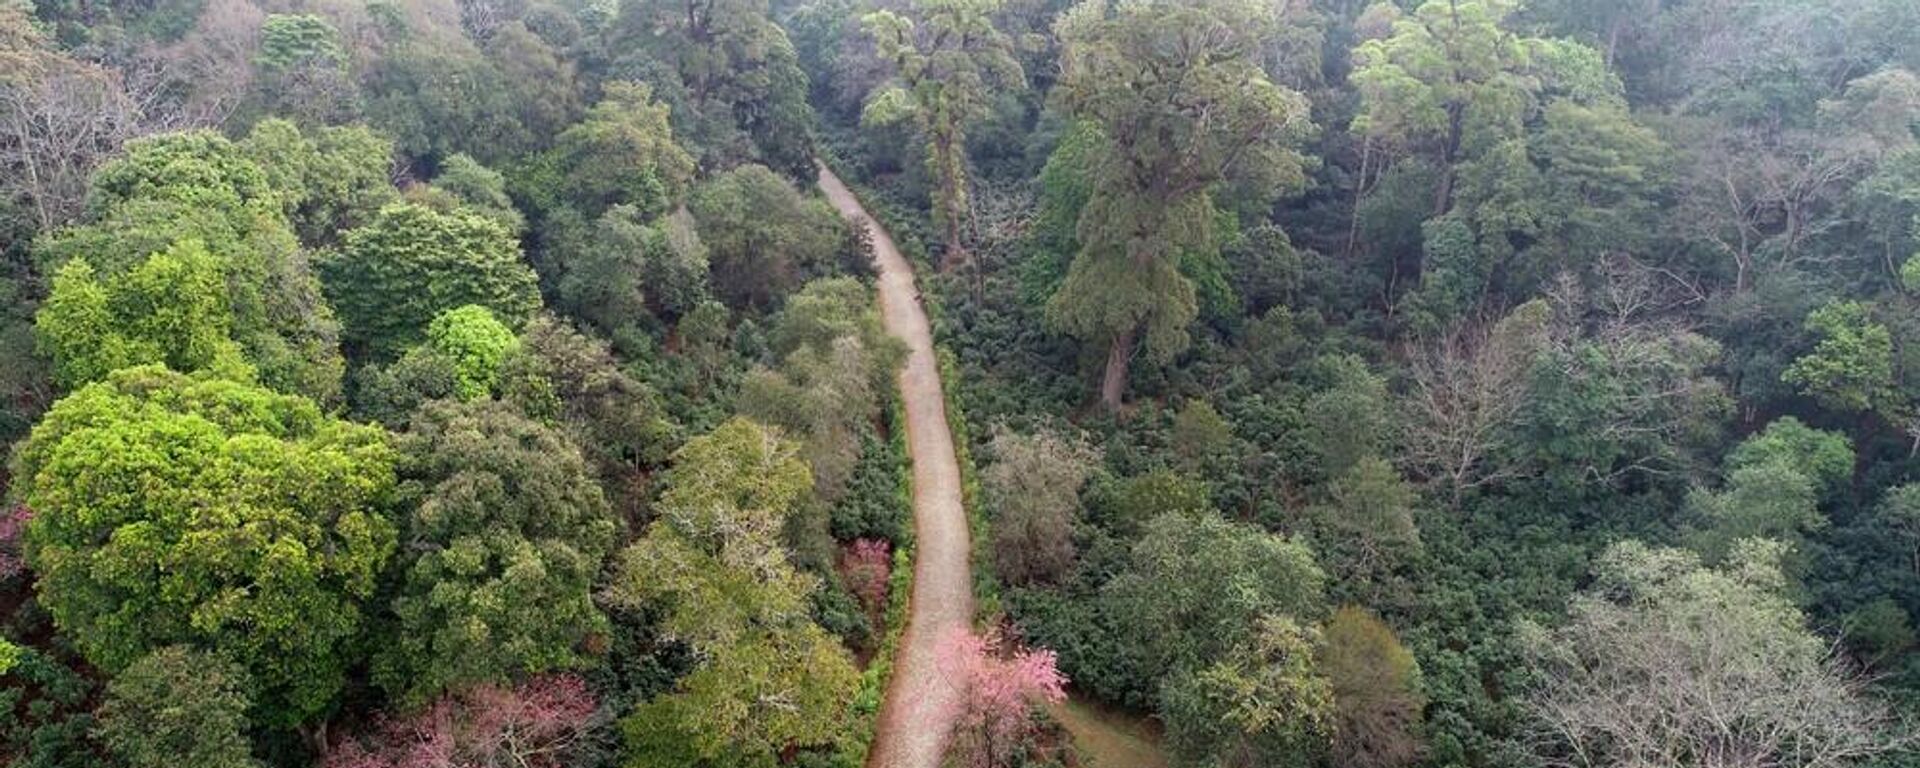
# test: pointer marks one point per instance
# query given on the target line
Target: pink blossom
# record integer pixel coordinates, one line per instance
(534, 724)
(1003, 684)
(13, 524)
(866, 565)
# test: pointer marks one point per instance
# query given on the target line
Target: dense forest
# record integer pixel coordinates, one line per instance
(1332, 383)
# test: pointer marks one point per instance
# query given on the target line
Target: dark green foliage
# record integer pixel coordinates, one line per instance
(765, 238)
(174, 705)
(506, 532)
(50, 701)
(872, 508)
(329, 179)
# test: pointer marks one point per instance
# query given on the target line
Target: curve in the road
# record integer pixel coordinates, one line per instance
(921, 701)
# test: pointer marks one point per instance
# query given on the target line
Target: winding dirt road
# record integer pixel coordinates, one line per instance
(921, 700)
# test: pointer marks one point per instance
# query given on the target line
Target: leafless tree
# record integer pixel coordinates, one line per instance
(1465, 390)
(1667, 663)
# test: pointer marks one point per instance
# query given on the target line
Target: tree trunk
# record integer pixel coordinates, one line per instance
(315, 736)
(1113, 384)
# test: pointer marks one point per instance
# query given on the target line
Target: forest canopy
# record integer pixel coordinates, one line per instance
(1331, 383)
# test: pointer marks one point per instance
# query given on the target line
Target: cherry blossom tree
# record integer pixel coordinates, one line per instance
(536, 724)
(1004, 682)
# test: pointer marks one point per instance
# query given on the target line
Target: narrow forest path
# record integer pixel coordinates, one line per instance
(921, 701)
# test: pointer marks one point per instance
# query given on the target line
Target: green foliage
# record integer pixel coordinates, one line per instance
(1851, 368)
(199, 186)
(1196, 587)
(176, 509)
(731, 75)
(394, 275)
(713, 567)
(1349, 416)
(506, 531)
(618, 420)
(51, 703)
(765, 239)
(177, 705)
(948, 58)
(1124, 68)
(479, 188)
(1824, 457)
(1125, 506)
(329, 179)
(623, 152)
(293, 41)
(835, 366)
(171, 310)
(1263, 703)
(475, 343)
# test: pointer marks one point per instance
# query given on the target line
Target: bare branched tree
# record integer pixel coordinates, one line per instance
(1465, 390)
(1668, 663)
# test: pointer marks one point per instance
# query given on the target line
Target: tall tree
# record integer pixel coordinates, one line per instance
(175, 509)
(177, 705)
(947, 59)
(504, 541)
(732, 75)
(394, 275)
(714, 567)
(1178, 92)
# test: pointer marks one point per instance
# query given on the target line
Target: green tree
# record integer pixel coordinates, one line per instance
(948, 59)
(835, 365)
(732, 76)
(475, 343)
(1263, 704)
(1824, 457)
(303, 69)
(170, 310)
(714, 567)
(505, 537)
(464, 182)
(1851, 368)
(1444, 70)
(199, 186)
(628, 269)
(176, 509)
(329, 179)
(764, 238)
(1178, 92)
(394, 275)
(1196, 587)
(177, 705)
(622, 152)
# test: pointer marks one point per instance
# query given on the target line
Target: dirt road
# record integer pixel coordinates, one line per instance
(921, 700)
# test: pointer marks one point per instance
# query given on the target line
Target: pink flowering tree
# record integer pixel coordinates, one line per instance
(866, 565)
(1004, 683)
(13, 523)
(536, 724)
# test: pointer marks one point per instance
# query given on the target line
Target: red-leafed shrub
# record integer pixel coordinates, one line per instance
(866, 565)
